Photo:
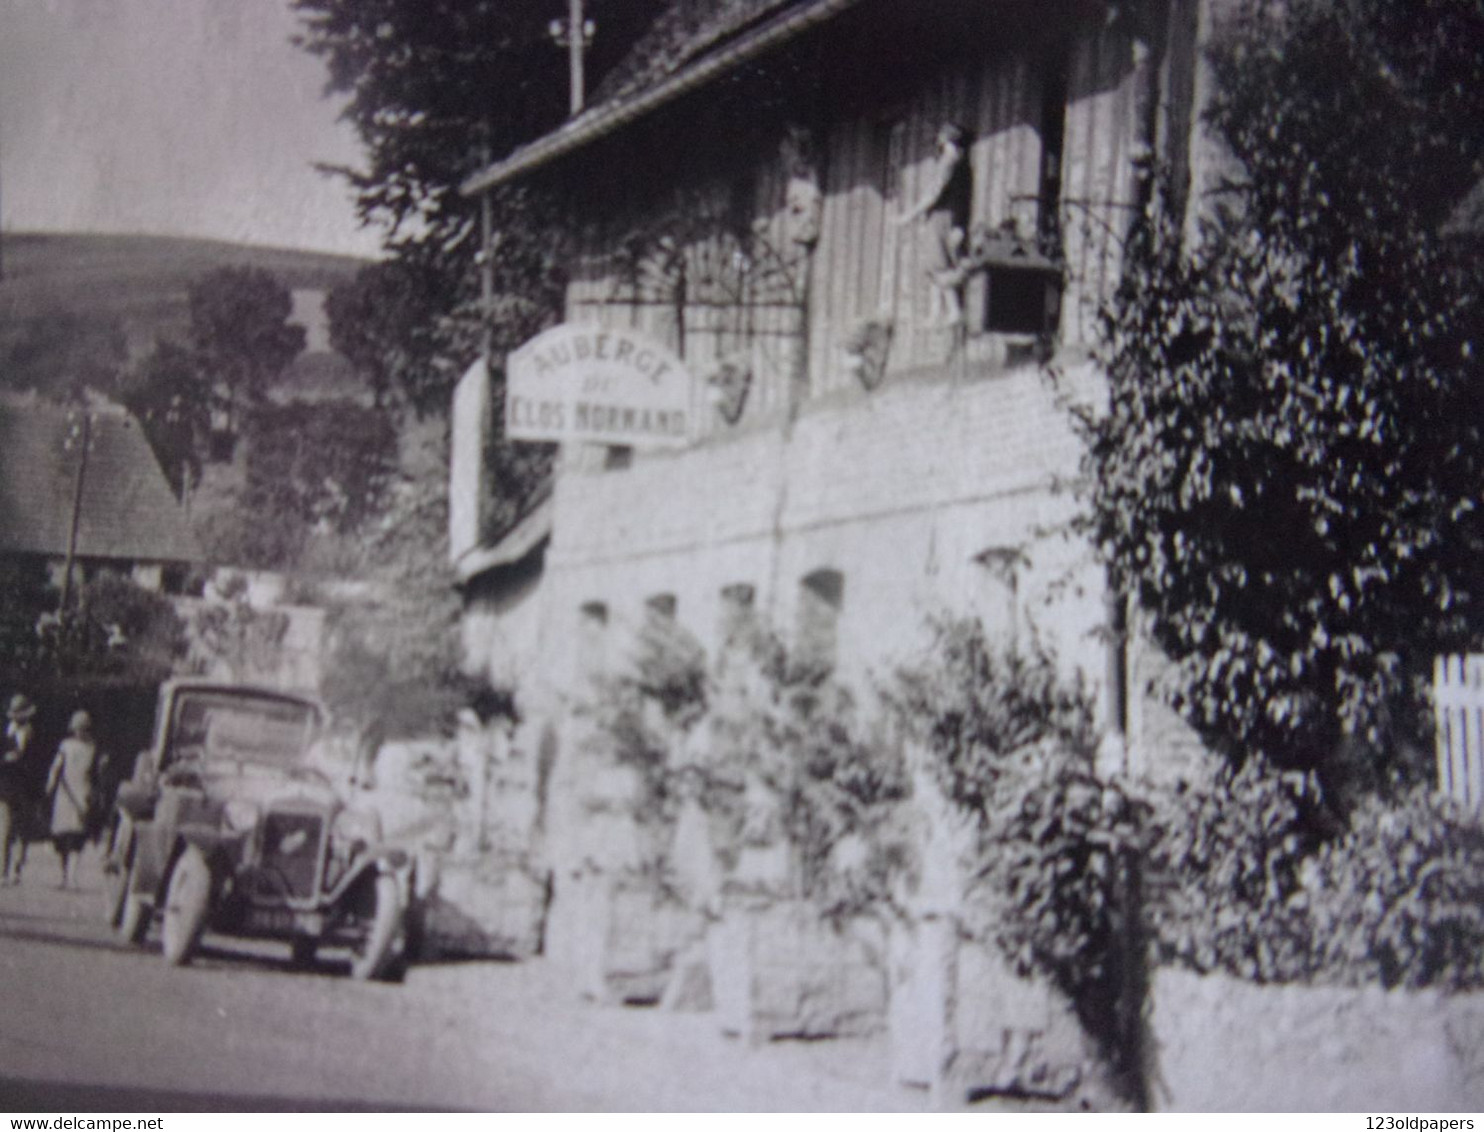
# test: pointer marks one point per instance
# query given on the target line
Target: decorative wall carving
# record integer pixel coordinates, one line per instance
(867, 349)
(728, 386)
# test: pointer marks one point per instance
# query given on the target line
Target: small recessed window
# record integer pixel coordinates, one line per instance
(737, 615)
(821, 595)
(592, 633)
(662, 605)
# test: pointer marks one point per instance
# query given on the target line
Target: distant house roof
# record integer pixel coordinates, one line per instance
(681, 32)
(692, 43)
(1467, 218)
(128, 511)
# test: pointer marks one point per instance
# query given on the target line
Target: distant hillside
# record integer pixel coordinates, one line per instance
(142, 280)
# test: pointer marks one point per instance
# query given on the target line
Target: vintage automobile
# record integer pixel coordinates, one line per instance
(226, 825)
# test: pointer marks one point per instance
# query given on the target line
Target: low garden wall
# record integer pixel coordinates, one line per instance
(1222, 1045)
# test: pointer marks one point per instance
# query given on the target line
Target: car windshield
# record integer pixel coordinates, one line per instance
(241, 727)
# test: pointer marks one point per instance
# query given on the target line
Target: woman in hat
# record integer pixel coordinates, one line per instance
(17, 786)
(69, 785)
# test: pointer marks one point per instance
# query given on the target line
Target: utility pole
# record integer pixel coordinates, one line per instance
(576, 35)
(2, 211)
(486, 261)
(575, 45)
(77, 484)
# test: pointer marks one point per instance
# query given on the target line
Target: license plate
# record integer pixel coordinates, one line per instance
(273, 920)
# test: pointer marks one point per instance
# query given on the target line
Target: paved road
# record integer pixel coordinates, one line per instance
(86, 1024)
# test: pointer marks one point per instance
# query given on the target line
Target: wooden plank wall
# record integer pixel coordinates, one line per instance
(1098, 185)
(753, 314)
(866, 267)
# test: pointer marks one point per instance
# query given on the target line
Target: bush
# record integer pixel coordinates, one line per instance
(837, 782)
(1055, 857)
(646, 711)
(772, 750)
(118, 631)
(1010, 744)
(1285, 476)
(1400, 900)
(1249, 878)
(1223, 867)
(974, 703)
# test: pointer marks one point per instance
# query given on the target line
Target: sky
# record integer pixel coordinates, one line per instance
(170, 117)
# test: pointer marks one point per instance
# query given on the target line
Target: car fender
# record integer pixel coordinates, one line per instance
(156, 850)
(392, 862)
(136, 801)
(150, 858)
(221, 848)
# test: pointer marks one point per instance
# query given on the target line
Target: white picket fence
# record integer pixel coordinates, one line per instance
(1458, 705)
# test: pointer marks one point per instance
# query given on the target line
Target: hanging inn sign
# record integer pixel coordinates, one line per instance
(590, 384)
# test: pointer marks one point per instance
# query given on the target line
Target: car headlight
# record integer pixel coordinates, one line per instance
(358, 825)
(240, 816)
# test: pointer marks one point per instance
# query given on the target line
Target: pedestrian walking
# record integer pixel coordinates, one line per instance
(70, 787)
(17, 786)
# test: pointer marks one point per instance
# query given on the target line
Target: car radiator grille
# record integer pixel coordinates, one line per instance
(292, 845)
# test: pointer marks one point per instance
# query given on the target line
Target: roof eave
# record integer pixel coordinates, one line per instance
(601, 121)
(519, 540)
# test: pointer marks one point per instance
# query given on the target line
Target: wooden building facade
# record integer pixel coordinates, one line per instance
(878, 234)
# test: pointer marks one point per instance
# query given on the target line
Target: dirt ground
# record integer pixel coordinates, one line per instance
(89, 1023)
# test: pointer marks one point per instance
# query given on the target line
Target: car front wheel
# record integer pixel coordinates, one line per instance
(185, 906)
(375, 958)
(128, 914)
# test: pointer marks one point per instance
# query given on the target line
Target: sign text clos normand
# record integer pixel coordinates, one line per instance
(591, 384)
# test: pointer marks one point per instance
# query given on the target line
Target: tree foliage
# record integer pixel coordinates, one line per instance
(241, 333)
(436, 89)
(117, 631)
(171, 401)
(384, 320)
(60, 352)
(324, 466)
(395, 667)
(1287, 479)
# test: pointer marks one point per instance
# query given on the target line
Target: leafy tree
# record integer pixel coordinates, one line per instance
(241, 333)
(385, 320)
(395, 666)
(61, 352)
(314, 472)
(324, 466)
(1287, 478)
(437, 88)
(132, 632)
(118, 631)
(170, 399)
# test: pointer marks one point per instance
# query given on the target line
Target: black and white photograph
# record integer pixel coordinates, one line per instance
(843, 556)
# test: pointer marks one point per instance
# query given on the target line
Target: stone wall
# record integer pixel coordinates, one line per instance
(1221, 1045)
(928, 497)
(282, 646)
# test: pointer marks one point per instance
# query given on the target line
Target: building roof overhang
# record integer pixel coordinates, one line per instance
(526, 535)
(610, 117)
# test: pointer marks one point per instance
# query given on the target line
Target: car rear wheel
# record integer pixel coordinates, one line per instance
(185, 906)
(375, 958)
